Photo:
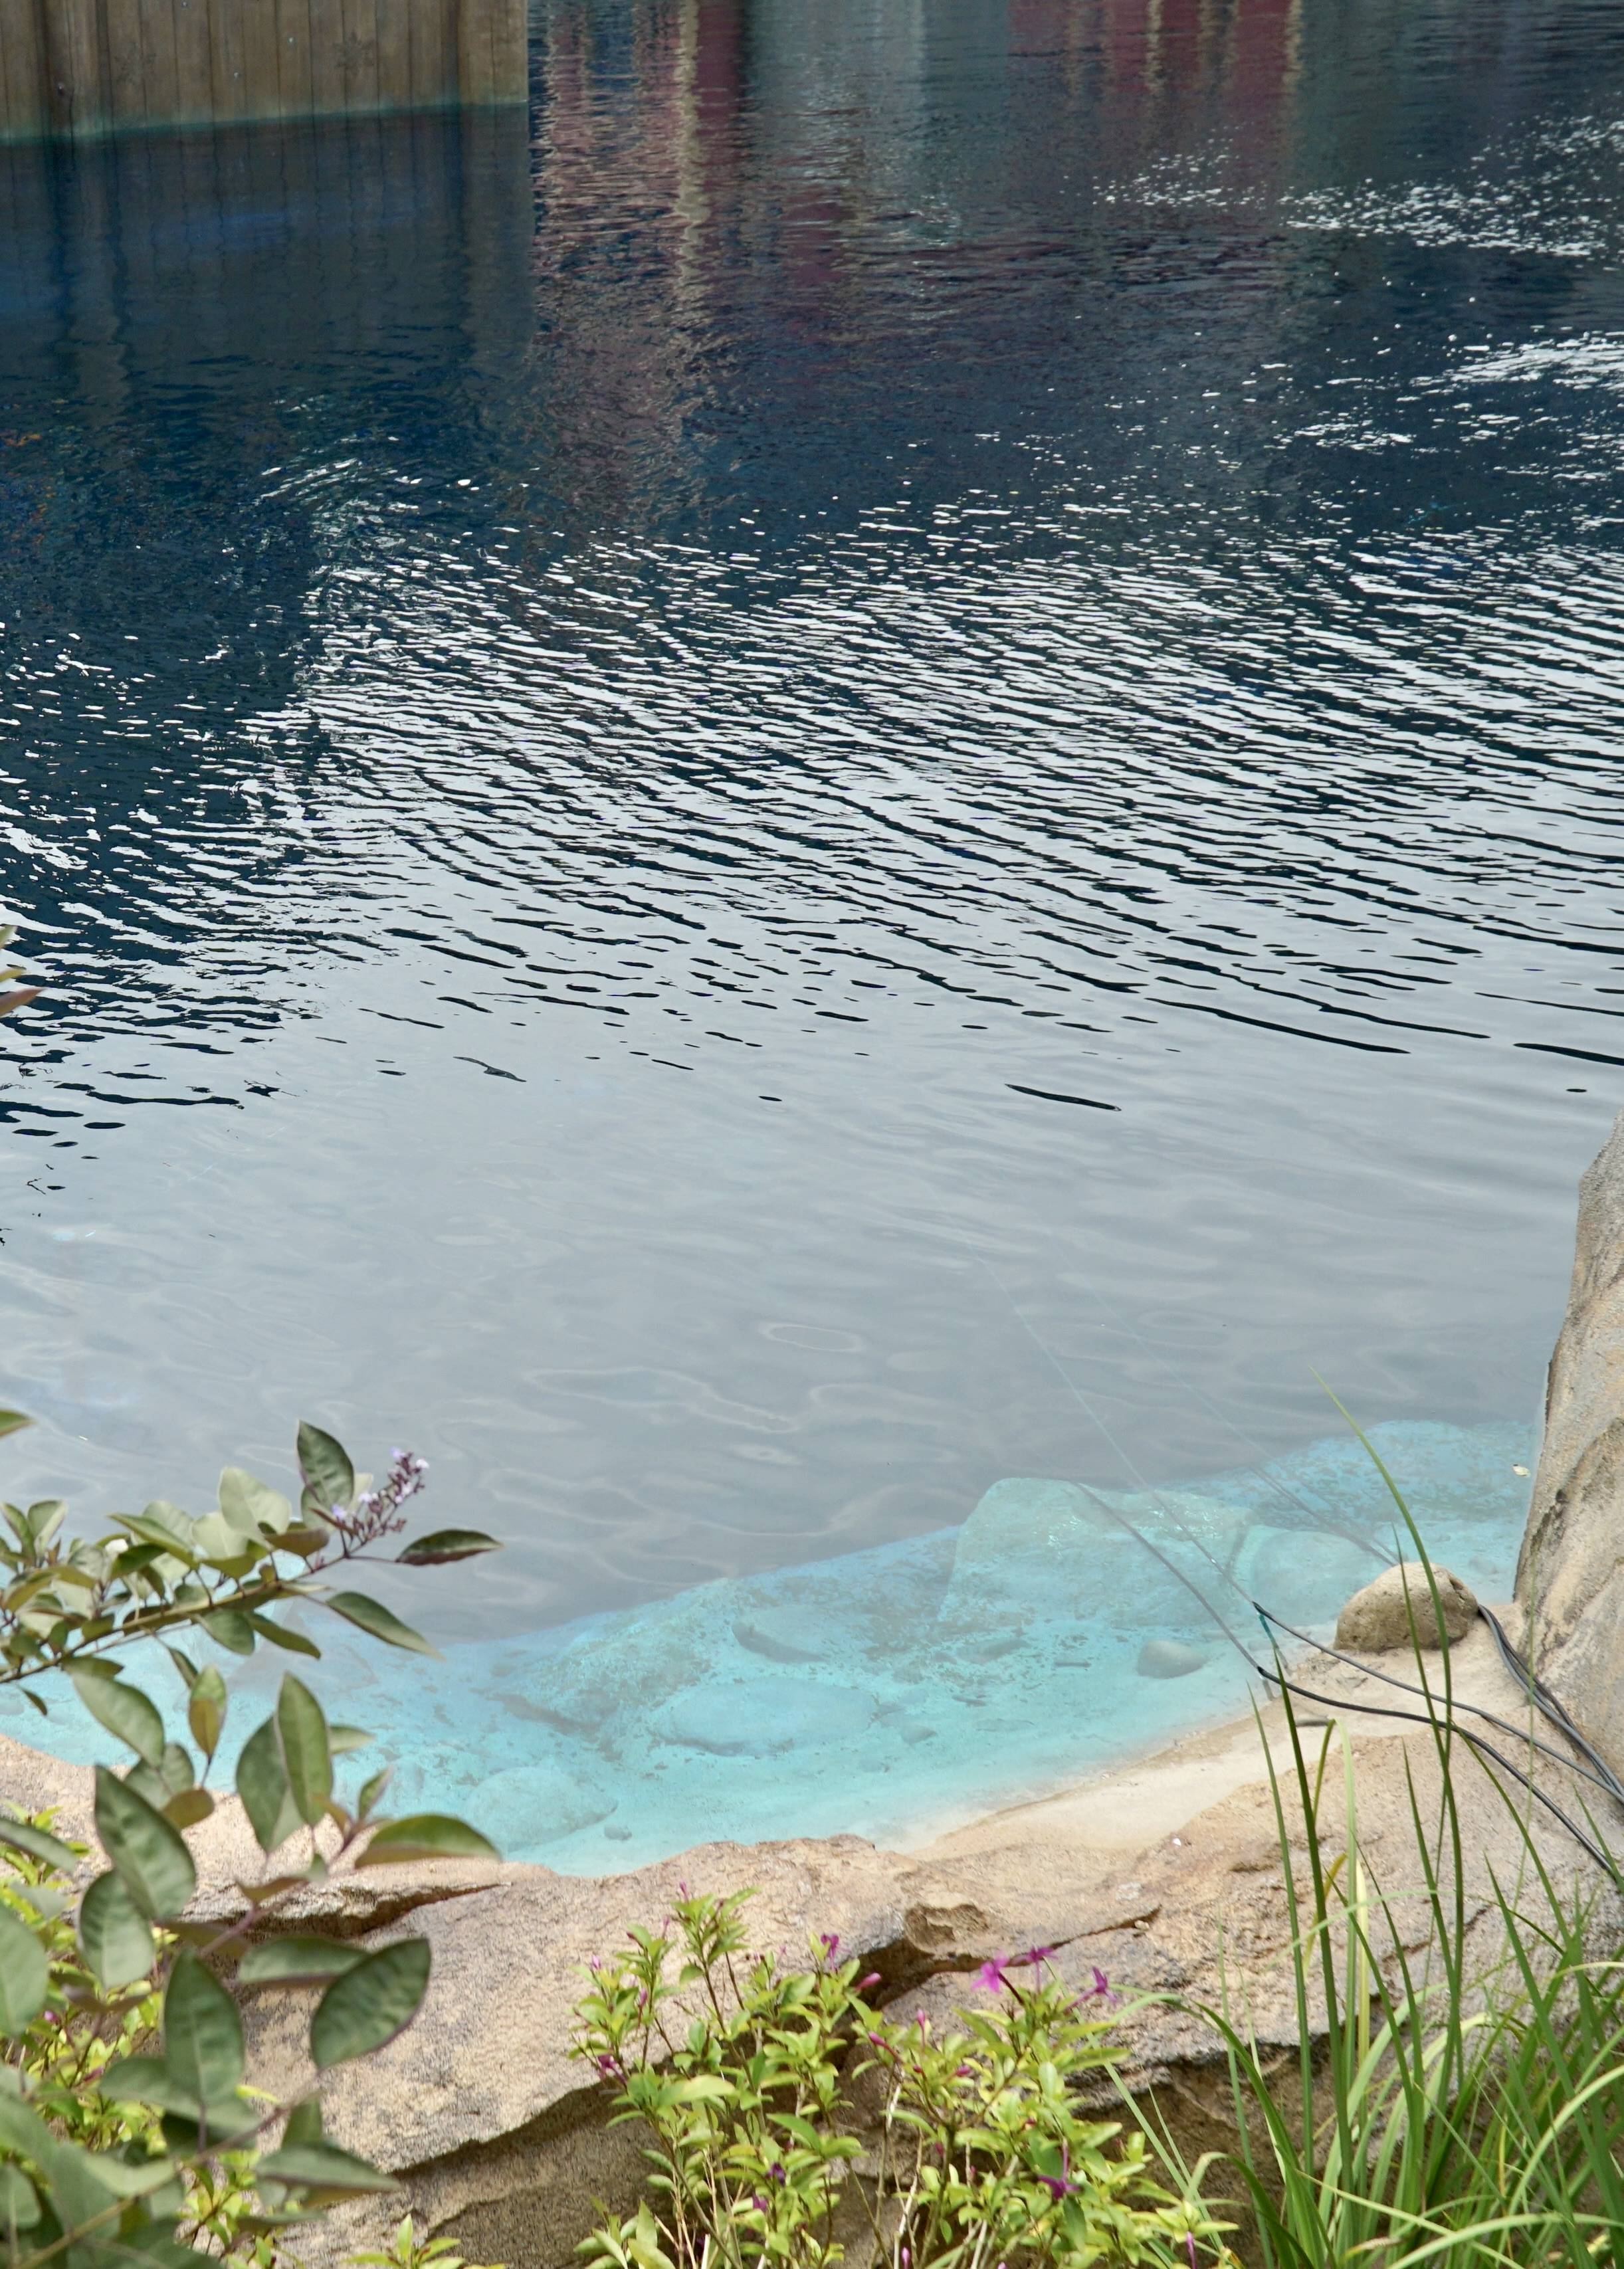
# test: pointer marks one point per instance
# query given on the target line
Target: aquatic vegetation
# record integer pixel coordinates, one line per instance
(127, 2127)
(985, 2151)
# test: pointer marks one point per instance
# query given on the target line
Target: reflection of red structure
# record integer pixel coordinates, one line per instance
(825, 145)
(1243, 49)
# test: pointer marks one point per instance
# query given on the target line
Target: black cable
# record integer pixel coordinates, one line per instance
(1608, 1865)
(1603, 1780)
(1548, 1703)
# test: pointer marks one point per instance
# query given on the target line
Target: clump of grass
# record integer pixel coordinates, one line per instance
(1449, 2103)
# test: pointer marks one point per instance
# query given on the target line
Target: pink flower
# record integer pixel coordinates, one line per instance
(990, 1978)
(1061, 2185)
(872, 1980)
(1033, 1958)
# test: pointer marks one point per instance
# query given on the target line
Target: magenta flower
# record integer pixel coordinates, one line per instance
(1061, 2185)
(831, 1943)
(1033, 1958)
(990, 1978)
(864, 1984)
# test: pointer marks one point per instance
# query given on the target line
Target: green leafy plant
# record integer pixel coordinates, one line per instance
(411, 2251)
(128, 2129)
(985, 2153)
(1450, 2109)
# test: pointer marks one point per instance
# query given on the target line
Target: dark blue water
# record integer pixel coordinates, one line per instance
(921, 668)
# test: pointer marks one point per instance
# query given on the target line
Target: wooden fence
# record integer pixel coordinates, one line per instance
(81, 68)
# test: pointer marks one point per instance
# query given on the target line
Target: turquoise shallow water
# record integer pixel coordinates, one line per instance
(888, 1691)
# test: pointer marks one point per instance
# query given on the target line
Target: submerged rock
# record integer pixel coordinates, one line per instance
(1299, 1574)
(759, 1716)
(780, 1637)
(529, 1807)
(1168, 1658)
(1396, 1611)
(1571, 1576)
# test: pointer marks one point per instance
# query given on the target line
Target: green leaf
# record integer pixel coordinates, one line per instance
(20, 2201)
(159, 1523)
(221, 1545)
(45, 1519)
(294, 1642)
(22, 1836)
(263, 1785)
(303, 2123)
(114, 1934)
(343, 1738)
(297, 1962)
(426, 1836)
(205, 1712)
(184, 1664)
(148, 1783)
(446, 1544)
(11, 1422)
(187, 1806)
(23, 1974)
(324, 2167)
(325, 1464)
(125, 1712)
(175, 1768)
(306, 1538)
(150, 1855)
(370, 2004)
(251, 1505)
(202, 2032)
(22, 2130)
(230, 1628)
(149, 2080)
(301, 1728)
(368, 1615)
(366, 1803)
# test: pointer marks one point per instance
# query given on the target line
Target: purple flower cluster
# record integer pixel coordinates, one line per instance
(379, 1511)
(991, 1978)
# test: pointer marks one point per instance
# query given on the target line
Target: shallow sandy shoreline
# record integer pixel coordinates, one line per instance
(1111, 1816)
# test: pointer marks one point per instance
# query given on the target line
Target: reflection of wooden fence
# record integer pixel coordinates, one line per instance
(79, 68)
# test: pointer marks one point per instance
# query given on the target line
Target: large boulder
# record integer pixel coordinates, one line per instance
(1570, 1575)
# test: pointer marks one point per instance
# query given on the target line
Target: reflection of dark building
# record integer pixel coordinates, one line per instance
(219, 357)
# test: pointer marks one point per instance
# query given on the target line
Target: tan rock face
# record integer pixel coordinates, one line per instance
(1397, 1610)
(1571, 1576)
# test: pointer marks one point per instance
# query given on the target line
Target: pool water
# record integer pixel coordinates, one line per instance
(880, 764)
(893, 1692)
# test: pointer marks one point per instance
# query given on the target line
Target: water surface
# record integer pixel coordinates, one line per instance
(887, 759)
